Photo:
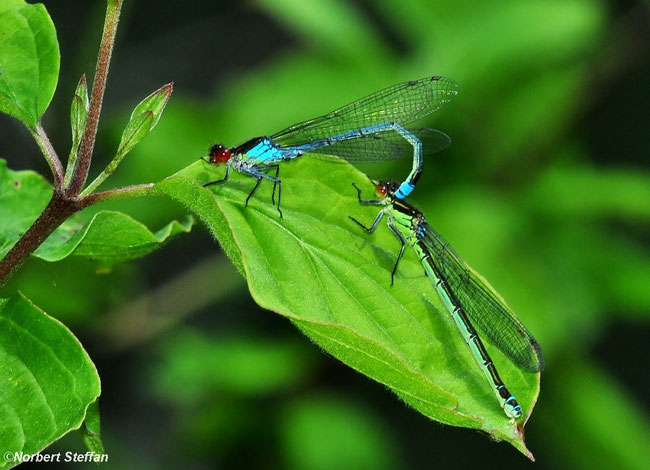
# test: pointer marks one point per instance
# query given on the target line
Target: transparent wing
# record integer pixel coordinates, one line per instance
(485, 309)
(382, 146)
(403, 103)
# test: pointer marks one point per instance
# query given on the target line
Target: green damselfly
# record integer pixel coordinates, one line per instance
(464, 293)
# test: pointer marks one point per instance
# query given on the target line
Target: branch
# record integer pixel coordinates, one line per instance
(64, 203)
(49, 153)
(55, 213)
(97, 96)
(127, 192)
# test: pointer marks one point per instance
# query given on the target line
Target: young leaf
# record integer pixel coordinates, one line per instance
(47, 380)
(29, 60)
(79, 112)
(332, 280)
(143, 119)
(78, 116)
(108, 237)
(138, 127)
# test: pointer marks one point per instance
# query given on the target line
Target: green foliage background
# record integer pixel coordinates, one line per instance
(544, 191)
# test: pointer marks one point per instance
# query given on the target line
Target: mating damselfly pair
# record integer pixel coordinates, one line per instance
(374, 129)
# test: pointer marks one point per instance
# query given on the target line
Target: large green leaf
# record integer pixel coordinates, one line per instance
(47, 380)
(109, 237)
(332, 280)
(29, 60)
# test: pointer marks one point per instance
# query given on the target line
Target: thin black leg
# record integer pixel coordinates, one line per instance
(275, 184)
(258, 173)
(279, 183)
(401, 251)
(221, 181)
(372, 202)
(374, 224)
(257, 185)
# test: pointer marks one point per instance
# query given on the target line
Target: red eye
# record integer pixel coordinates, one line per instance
(219, 154)
(381, 189)
(223, 155)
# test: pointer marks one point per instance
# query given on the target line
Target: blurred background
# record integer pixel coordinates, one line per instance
(545, 191)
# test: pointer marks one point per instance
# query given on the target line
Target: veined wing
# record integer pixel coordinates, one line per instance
(403, 103)
(383, 146)
(484, 307)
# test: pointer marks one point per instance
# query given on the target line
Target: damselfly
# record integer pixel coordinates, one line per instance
(370, 129)
(464, 293)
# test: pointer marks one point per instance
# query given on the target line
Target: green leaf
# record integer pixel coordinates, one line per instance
(23, 196)
(317, 268)
(107, 236)
(29, 60)
(78, 116)
(202, 202)
(47, 380)
(144, 118)
(90, 430)
(79, 112)
(136, 130)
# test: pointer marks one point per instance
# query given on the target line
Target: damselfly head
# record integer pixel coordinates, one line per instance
(219, 154)
(386, 188)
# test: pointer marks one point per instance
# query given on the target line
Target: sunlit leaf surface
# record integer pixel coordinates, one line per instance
(29, 60)
(332, 281)
(47, 380)
(109, 237)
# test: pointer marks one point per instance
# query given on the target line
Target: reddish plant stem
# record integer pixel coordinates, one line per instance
(64, 202)
(55, 213)
(126, 192)
(97, 96)
(50, 154)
